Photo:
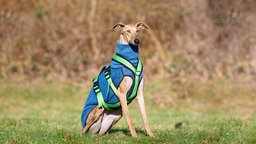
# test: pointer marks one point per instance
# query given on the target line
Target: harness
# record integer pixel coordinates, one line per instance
(136, 71)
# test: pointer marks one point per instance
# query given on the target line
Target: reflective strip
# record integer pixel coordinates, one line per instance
(111, 84)
(100, 99)
(136, 83)
(98, 92)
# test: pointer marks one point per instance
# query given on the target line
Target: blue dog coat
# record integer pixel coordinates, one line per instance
(117, 72)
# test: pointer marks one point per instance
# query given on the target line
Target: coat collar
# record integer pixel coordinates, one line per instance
(128, 52)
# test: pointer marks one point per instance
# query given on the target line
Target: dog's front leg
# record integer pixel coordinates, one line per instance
(122, 91)
(141, 102)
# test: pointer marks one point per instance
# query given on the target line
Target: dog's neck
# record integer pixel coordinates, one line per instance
(127, 51)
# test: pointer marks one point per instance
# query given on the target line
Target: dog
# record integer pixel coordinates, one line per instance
(116, 86)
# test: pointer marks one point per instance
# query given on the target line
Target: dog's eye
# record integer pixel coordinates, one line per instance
(137, 31)
(128, 31)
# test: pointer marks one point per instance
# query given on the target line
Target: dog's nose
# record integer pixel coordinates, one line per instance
(136, 41)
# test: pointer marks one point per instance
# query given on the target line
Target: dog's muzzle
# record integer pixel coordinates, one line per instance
(136, 41)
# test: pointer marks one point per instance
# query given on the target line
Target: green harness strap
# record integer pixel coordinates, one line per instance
(137, 71)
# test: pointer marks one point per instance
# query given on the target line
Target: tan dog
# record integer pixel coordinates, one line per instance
(100, 120)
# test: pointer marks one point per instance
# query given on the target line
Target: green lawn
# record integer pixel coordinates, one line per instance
(49, 112)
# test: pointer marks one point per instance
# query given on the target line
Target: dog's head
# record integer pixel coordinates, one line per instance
(130, 32)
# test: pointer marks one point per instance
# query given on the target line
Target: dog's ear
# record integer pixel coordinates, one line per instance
(119, 26)
(141, 25)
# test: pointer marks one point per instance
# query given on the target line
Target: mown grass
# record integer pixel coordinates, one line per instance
(49, 112)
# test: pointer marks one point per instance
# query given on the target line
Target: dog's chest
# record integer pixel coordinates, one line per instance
(117, 75)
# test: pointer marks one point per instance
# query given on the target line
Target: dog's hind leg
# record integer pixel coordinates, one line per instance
(109, 119)
(93, 117)
(96, 126)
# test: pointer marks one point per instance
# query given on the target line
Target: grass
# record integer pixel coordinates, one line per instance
(49, 112)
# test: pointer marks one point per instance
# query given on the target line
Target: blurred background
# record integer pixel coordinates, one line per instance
(199, 59)
(71, 40)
